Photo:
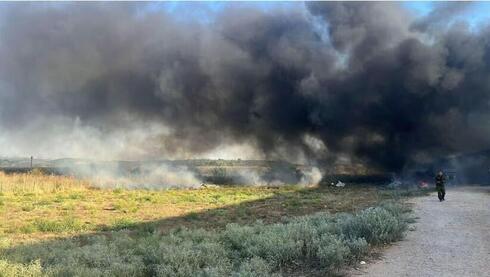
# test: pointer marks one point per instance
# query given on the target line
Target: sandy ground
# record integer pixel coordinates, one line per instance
(451, 238)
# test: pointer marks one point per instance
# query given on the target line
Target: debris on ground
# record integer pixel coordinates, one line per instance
(340, 184)
(423, 184)
(395, 184)
(209, 186)
(363, 262)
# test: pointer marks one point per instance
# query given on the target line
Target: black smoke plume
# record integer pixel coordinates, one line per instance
(367, 81)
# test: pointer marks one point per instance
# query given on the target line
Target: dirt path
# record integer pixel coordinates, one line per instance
(451, 238)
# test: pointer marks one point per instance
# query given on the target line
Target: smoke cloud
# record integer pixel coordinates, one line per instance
(148, 177)
(305, 84)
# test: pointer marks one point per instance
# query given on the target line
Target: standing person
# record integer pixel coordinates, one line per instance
(441, 191)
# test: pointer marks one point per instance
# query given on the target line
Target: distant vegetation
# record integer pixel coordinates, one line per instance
(224, 172)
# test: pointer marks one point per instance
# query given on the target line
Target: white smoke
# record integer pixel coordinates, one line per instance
(311, 177)
(148, 176)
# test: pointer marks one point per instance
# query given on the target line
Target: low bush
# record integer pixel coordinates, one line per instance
(255, 267)
(32, 269)
(375, 225)
(320, 241)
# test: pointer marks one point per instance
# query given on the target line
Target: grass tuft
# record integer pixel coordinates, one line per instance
(52, 226)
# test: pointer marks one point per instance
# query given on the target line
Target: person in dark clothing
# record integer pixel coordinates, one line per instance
(440, 180)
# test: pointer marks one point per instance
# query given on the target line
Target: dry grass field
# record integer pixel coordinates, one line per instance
(63, 226)
(35, 206)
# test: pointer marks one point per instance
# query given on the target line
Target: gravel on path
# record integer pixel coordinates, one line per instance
(451, 238)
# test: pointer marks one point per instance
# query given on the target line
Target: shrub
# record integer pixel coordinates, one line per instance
(274, 244)
(332, 251)
(395, 209)
(8, 269)
(358, 247)
(375, 225)
(191, 259)
(255, 267)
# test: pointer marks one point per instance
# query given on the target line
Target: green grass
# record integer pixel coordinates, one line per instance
(50, 226)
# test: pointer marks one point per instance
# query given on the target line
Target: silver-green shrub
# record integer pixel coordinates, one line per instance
(376, 225)
(255, 267)
(10, 269)
(332, 250)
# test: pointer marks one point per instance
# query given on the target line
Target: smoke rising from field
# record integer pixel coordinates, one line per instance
(130, 81)
(310, 176)
(148, 176)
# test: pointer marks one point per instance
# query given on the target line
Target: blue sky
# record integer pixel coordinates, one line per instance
(477, 13)
(419, 7)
